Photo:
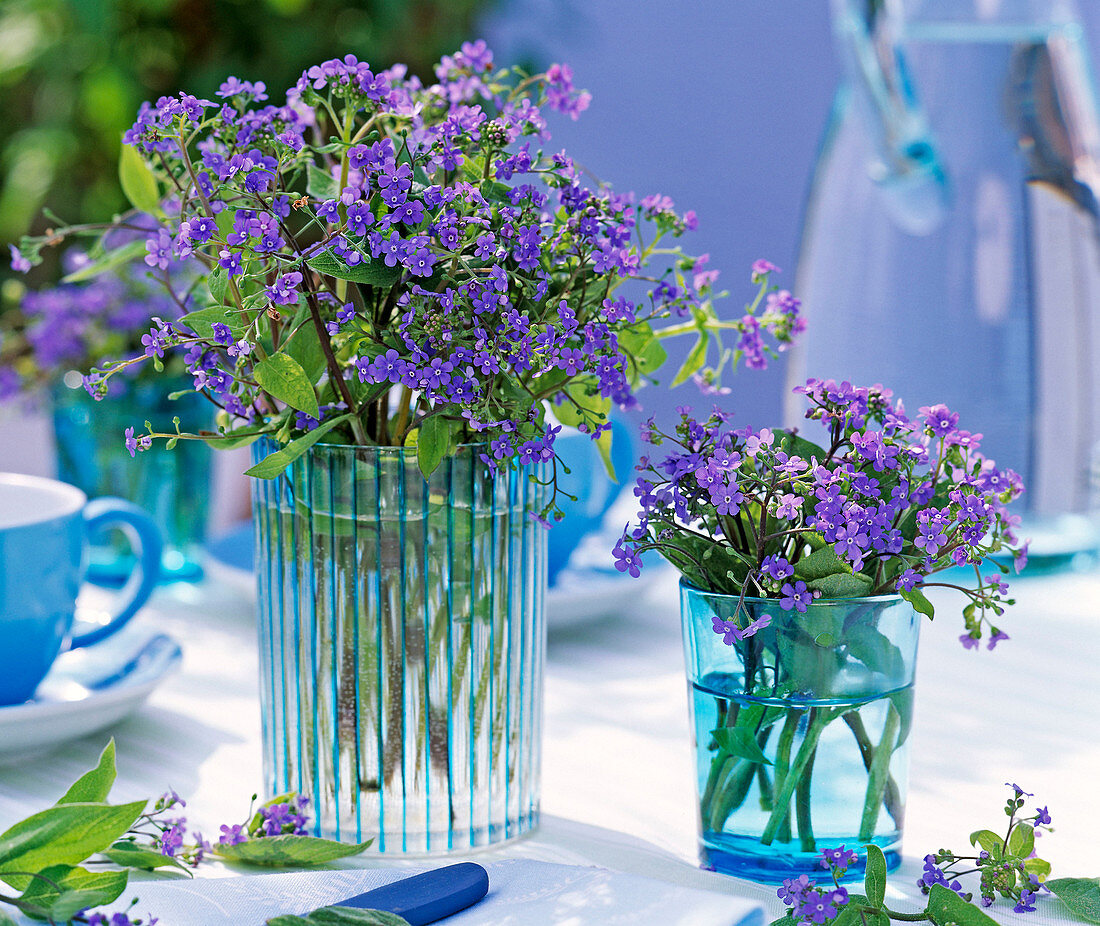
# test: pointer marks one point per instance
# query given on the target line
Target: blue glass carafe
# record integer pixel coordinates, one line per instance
(950, 244)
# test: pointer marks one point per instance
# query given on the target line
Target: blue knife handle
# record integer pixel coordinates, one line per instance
(427, 897)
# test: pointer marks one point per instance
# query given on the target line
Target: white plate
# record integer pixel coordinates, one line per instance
(87, 690)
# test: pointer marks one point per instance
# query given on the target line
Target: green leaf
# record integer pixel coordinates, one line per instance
(94, 786)
(587, 404)
(946, 907)
(988, 840)
(305, 347)
(874, 879)
(496, 192)
(875, 650)
(112, 260)
(1022, 841)
(138, 182)
(289, 851)
(1039, 867)
(843, 585)
(319, 183)
(797, 446)
(919, 602)
(274, 463)
(349, 916)
(370, 270)
(62, 891)
(202, 321)
(282, 376)
(603, 445)
(696, 359)
(432, 443)
(640, 343)
(341, 916)
(63, 835)
(821, 563)
(1081, 895)
(6, 920)
(850, 914)
(130, 855)
(740, 743)
(218, 281)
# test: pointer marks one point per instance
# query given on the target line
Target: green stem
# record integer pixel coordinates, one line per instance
(878, 774)
(892, 798)
(783, 765)
(798, 769)
(767, 795)
(802, 804)
(730, 794)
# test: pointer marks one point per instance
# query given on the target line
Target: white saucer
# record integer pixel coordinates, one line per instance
(87, 690)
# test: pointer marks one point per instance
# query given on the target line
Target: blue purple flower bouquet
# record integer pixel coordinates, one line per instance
(803, 567)
(397, 264)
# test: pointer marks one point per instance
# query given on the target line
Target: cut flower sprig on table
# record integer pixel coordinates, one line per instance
(394, 263)
(884, 502)
(1006, 865)
(68, 859)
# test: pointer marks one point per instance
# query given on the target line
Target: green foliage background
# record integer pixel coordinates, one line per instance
(73, 73)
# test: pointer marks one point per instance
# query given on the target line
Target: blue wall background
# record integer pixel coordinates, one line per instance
(719, 104)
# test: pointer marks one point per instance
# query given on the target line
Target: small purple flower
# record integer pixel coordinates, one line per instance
(795, 597)
(285, 289)
(777, 567)
(232, 835)
(19, 263)
(626, 560)
(839, 858)
(1042, 817)
(761, 268)
(907, 581)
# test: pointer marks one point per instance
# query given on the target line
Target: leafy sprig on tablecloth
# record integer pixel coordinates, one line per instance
(69, 859)
(1007, 865)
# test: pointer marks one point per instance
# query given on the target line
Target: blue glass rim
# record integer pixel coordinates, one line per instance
(817, 602)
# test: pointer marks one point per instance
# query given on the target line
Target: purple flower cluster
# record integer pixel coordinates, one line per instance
(885, 501)
(119, 919)
(810, 904)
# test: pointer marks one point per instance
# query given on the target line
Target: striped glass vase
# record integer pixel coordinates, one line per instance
(401, 645)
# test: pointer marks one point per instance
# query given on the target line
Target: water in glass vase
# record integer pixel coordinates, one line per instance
(401, 636)
(781, 779)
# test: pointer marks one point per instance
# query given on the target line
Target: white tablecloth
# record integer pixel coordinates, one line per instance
(617, 761)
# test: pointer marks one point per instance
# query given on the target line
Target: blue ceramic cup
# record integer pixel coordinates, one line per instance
(588, 481)
(44, 528)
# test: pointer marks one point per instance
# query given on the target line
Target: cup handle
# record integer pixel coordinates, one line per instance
(111, 512)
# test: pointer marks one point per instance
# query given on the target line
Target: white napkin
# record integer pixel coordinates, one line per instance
(521, 893)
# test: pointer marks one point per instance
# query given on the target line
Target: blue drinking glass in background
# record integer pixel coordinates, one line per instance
(173, 486)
